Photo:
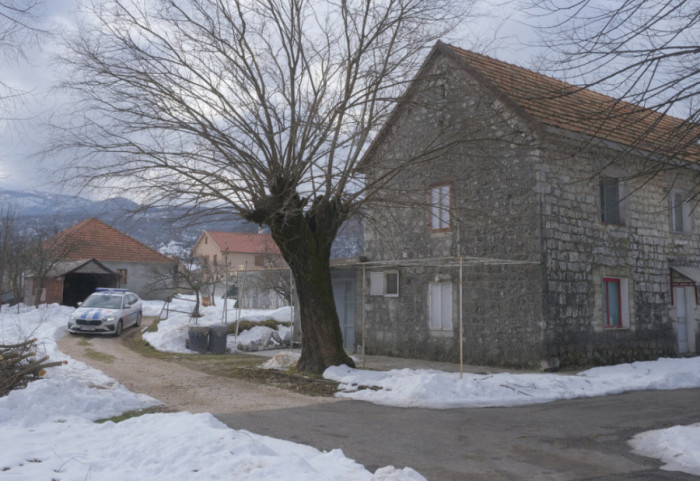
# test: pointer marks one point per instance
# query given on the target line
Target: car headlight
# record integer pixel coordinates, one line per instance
(110, 318)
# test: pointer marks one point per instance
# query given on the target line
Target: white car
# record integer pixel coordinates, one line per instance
(106, 311)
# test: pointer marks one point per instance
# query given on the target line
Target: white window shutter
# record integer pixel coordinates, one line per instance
(376, 283)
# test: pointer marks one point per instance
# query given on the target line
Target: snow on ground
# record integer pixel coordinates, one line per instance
(678, 447)
(438, 389)
(173, 331)
(48, 430)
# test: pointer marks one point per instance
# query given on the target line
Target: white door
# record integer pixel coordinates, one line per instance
(440, 301)
(684, 320)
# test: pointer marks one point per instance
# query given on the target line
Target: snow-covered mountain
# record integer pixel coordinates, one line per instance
(157, 228)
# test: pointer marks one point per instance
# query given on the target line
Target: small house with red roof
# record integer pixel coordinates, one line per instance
(237, 250)
(545, 225)
(102, 256)
(260, 270)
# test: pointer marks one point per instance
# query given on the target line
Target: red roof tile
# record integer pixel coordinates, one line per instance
(561, 105)
(243, 243)
(93, 238)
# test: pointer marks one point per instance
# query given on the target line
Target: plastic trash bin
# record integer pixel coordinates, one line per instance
(199, 339)
(217, 338)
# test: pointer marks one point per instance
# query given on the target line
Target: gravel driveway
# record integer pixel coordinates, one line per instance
(179, 388)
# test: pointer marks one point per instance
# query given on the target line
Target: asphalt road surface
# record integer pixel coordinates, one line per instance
(582, 439)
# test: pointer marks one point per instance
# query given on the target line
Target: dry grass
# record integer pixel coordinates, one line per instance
(238, 366)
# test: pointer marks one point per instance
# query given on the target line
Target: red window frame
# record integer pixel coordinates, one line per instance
(432, 206)
(606, 282)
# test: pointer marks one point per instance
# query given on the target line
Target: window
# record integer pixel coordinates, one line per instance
(122, 276)
(680, 218)
(440, 302)
(384, 283)
(440, 206)
(615, 303)
(391, 284)
(610, 201)
(259, 261)
(215, 262)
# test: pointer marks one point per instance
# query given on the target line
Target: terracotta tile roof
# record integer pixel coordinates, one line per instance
(564, 106)
(93, 238)
(243, 243)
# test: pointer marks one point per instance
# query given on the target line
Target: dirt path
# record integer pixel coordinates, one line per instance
(178, 387)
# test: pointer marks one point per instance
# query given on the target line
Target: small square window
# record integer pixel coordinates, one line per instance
(384, 283)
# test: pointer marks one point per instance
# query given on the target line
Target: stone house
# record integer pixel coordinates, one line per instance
(567, 212)
(98, 255)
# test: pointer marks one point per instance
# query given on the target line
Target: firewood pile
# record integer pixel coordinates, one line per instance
(19, 365)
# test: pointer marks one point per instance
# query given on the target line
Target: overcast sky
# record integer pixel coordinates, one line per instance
(500, 31)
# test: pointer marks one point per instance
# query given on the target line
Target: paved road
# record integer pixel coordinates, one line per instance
(583, 439)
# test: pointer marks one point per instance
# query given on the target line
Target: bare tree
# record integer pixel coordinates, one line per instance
(10, 259)
(261, 108)
(17, 30)
(642, 51)
(43, 250)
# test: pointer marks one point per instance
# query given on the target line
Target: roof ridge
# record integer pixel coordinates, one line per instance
(81, 226)
(548, 101)
(563, 83)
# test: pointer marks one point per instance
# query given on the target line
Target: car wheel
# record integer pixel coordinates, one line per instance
(118, 330)
(138, 320)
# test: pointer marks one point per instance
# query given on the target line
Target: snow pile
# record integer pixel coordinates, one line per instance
(67, 389)
(173, 331)
(48, 430)
(678, 447)
(281, 361)
(179, 446)
(438, 389)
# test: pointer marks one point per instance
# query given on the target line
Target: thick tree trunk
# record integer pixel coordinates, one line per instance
(322, 339)
(304, 237)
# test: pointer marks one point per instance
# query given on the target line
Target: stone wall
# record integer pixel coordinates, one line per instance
(518, 194)
(489, 162)
(580, 250)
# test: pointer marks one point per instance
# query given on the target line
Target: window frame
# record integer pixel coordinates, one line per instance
(387, 284)
(686, 226)
(443, 225)
(378, 283)
(605, 203)
(623, 308)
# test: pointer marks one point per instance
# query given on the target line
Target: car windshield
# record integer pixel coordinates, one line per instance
(103, 300)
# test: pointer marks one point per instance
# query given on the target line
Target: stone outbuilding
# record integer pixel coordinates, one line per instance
(553, 223)
(98, 255)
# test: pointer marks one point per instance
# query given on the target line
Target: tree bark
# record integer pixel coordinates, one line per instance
(322, 339)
